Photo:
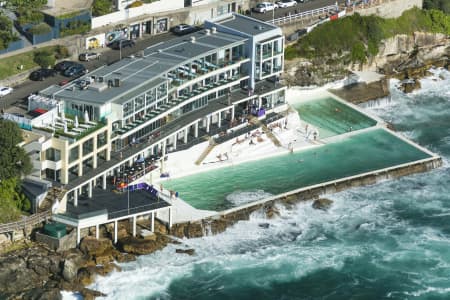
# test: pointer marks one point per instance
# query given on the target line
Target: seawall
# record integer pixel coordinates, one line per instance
(218, 223)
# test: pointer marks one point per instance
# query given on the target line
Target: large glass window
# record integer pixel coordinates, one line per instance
(88, 146)
(73, 154)
(101, 139)
(53, 154)
(128, 108)
(162, 91)
(150, 96)
(139, 102)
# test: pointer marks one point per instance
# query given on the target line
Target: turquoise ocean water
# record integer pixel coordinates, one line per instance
(386, 241)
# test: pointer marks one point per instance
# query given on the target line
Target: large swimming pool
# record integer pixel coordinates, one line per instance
(332, 117)
(221, 189)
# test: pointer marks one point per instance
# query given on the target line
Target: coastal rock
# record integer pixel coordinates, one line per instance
(185, 251)
(271, 212)
(95, 247)
(264, 225)
(125, 257)
(89, 294)
(322, 203)
(73, 261)
(139, 246)
(409, 86)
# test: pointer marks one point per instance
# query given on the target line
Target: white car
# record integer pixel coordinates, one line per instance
(5, 90)
(265, 6)
(286, 3)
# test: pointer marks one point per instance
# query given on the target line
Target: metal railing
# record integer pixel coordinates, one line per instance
(26, 221)
(305, 15)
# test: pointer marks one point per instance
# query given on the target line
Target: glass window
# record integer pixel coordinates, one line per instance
(101, 139)
(128, 108)
(88, 146)
(53, 154)
(73, 154)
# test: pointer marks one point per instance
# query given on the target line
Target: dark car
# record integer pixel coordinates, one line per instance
(122, 44)
(41, 74)
(76, 70)
(183, 29)
(63, 65)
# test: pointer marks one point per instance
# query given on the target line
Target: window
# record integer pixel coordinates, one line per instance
(128, 108)
(101, 139)
(73, 154)
(53, 154)
(88, 146)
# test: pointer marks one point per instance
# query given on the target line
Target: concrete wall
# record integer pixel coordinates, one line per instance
(67, 242)
(390, 8)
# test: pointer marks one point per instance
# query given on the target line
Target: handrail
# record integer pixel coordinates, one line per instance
(26, 221)
(304, 14)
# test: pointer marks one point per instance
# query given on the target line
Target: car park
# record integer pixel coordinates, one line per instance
(265, 6)
(76, 70)
(122, 44)
(183, 29)
(286, 3)
(63, 65)
(87, 56)
(41, 74)
(4, 90)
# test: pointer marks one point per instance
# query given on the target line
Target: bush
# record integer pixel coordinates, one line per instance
(135, 4)
(40, 28)
(101, 7)
(44, 58)
(443, 5)
(61, 52)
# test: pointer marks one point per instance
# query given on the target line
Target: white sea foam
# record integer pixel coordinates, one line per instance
(239, 198)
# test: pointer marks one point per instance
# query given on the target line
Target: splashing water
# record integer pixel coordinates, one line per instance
(386, 241)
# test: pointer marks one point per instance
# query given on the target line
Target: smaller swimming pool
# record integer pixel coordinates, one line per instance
(332, 117)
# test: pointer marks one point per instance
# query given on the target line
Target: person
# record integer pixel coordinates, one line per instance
(226, 155)
(315, 135)
(251, 142)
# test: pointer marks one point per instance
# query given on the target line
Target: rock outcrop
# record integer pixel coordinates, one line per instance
(322, 203)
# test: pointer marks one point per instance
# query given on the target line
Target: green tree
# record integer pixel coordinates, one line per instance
(6, 33)
(44, 58)
(14, 161)
(9, 210)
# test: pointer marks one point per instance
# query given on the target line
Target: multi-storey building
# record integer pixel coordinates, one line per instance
(168, 97)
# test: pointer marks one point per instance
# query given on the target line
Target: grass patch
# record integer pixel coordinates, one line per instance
(10, 66)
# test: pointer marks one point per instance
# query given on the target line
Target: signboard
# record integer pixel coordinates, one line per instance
(117, 35)
(96, 41)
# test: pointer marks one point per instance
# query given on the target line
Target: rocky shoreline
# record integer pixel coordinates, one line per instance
(36, 272)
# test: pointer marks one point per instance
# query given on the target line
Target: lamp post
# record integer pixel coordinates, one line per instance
(120, 49)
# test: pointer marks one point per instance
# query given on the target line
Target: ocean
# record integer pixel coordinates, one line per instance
(386, 241)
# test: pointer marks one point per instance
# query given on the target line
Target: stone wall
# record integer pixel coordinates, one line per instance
(390, 9)
(65, 243)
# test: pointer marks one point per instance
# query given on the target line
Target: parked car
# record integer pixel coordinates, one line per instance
(76, 70)
(286, 3)
(63, 65)
(41, 74)
(4, 90)
(88, 56)
(183, 29)
(265, 6)
(122, 44)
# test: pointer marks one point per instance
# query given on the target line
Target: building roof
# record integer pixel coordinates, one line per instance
(62, 7)
(246, 25)
(139, 74)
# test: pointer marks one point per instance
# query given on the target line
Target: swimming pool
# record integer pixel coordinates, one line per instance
(360, 153)
(332, 117)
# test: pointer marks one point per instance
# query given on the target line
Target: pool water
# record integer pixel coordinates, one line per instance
(364, 152)
(332, 117)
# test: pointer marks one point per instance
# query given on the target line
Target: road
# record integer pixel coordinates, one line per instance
(21, 92)
(300, 7)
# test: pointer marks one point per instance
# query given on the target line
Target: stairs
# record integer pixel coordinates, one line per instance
(205, 153)
(269, 133)
(53, 194)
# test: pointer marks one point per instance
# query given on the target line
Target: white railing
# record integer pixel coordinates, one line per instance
(305, 15)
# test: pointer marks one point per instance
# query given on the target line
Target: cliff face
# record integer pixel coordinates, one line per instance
(409, 51)
(397, 56)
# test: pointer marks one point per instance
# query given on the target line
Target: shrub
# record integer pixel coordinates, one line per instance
(101, 7)
(135, 4)
(40, 28)
(44, 58)
(61, 52)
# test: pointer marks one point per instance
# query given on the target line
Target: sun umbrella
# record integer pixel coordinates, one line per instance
(86, 116)
(75, 123)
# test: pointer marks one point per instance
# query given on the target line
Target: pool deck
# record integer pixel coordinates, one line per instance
(183, 212)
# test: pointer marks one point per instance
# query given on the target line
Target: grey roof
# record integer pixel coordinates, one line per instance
(142, 73)
(246, 25)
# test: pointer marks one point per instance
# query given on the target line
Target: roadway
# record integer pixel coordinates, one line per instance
(18, 98)
(300, 7)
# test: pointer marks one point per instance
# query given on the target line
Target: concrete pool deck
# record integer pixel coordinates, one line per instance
(182, 164)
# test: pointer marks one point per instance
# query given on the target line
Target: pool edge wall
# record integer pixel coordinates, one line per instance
(219, 223)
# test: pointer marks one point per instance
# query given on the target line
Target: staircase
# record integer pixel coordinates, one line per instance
(269, 133)
(53, 194)
(205, 153)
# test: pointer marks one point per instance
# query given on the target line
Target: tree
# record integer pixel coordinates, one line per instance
(14, 161)
(6, 33)
(358, 53)
(44, 58)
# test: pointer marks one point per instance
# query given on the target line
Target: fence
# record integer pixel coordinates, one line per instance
(26, 221)
(305, 15)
